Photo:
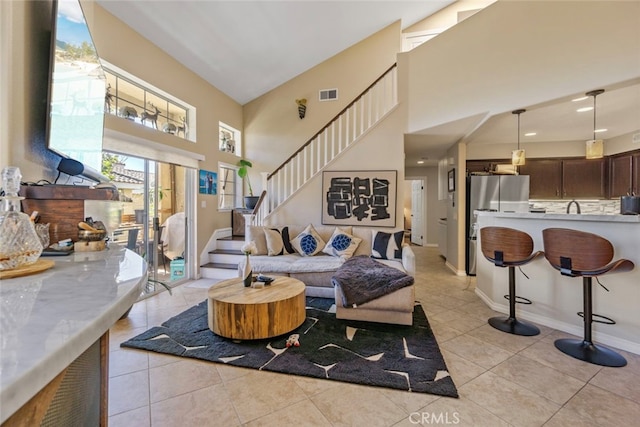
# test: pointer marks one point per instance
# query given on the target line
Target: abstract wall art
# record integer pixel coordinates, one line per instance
(366, 198)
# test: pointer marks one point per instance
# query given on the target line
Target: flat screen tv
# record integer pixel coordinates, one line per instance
(75, 119)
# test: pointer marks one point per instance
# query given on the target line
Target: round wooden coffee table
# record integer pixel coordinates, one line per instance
(248, 314)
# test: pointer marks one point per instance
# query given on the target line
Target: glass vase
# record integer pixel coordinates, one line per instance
(19, 243)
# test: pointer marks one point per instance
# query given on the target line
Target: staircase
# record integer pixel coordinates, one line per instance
(345, 129)
(223, 261)
(339, 134)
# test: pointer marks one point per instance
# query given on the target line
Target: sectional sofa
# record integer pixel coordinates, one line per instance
(313, 254)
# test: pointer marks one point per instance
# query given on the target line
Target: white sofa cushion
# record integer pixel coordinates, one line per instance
(294, 263)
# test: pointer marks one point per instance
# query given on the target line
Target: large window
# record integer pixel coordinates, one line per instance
(228, 187)
(129, 98)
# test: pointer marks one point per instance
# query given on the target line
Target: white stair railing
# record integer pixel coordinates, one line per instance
(339, 134)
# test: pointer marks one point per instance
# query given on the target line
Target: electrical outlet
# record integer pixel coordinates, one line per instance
(635, 138)
(203, 204)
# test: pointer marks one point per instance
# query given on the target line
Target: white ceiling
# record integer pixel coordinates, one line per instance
(617, 110)
(246, 48)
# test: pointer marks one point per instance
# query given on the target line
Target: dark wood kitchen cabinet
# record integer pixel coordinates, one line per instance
(584, 178)
(545, 178)
(621, 175)
(624, 176)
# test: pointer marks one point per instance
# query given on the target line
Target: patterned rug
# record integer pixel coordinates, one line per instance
(393, 356)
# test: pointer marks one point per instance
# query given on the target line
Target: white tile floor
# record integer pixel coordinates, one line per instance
(502, 379)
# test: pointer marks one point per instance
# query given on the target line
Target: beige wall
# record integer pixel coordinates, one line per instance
(521, 53)
(551, 149)
(272, 129)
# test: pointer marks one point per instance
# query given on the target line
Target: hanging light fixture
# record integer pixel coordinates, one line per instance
(517, 156)
(595, 147)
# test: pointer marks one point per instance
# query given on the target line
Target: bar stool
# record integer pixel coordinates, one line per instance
(580, 254)
(506, 247)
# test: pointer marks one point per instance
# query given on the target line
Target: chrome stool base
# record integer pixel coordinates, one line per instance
(514, 326)
(589, 352)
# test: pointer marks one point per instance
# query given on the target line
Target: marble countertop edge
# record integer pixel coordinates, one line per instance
(22, 386)
(632, 219)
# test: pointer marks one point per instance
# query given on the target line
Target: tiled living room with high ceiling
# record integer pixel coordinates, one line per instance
(324, 213)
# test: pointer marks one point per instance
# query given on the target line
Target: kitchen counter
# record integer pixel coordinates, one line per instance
(565, 217)
(48, 320)
(556, 298)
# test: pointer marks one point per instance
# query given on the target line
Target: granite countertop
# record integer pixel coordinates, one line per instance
(634, 219)
(49, 319)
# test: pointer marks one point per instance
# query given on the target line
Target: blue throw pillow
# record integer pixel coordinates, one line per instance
(309, 242)
(341, 244)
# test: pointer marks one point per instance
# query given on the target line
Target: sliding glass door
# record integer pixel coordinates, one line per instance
(153, 223)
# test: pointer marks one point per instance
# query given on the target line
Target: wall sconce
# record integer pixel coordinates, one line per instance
(517, 156)
(595, 147)
(302, 107)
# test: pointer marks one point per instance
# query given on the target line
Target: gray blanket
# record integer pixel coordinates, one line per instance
(363, 279)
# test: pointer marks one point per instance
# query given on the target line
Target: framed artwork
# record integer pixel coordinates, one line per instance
(207, 182)
(451, 180)
(366, 198)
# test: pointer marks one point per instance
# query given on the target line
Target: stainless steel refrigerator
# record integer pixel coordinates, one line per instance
(498, 193)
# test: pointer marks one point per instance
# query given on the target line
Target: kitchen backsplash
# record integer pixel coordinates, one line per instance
(589, 207)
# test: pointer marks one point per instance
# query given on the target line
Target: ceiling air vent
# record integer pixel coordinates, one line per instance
(328, 94)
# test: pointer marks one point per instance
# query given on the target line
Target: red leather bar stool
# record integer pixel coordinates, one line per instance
(579, 254)
(506, 247)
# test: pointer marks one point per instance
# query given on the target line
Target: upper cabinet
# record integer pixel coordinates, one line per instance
(567, 178)
(636, 173)
(624, 177)
(584, 178)
(545, 178)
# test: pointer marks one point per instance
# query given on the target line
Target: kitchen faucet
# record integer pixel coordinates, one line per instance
(577, 206)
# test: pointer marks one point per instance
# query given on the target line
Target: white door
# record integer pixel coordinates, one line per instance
(417, 212)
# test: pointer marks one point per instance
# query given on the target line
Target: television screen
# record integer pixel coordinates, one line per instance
(76, 88)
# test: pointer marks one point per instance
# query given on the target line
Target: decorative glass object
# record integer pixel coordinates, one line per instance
(19, 242)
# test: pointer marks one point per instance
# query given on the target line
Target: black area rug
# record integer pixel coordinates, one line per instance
(393, 356)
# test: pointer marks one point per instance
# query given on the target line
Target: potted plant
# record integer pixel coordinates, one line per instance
(243, 172)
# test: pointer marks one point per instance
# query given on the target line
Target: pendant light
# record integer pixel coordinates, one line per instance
(595, 147)
(517, 156)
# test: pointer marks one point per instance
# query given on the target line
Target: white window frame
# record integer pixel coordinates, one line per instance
(236, 137)
(237, 187)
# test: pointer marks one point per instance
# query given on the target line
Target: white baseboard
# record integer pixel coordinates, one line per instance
(577, 330)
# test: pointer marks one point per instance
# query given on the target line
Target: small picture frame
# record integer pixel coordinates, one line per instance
(207, 182)
(451, 180)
